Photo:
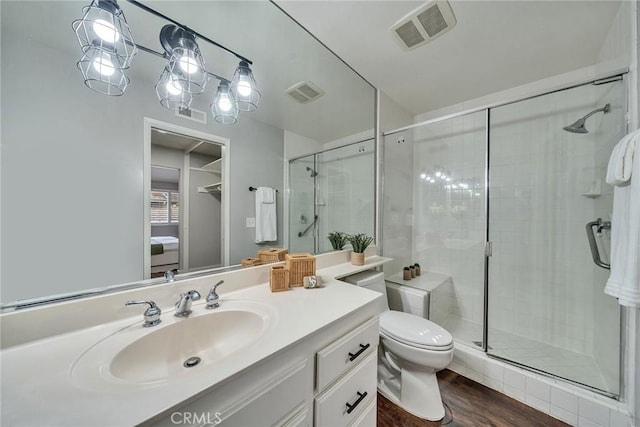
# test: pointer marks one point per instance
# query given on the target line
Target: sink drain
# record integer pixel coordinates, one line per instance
(191, 362)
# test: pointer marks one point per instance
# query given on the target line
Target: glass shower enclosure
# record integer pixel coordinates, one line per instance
(495, 210)
(332, 190)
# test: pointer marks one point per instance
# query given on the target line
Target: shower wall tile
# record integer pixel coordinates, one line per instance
(538, 390)
(591, 411)
(514, 379)
(618, 419)
(564, 400)
(563, 415)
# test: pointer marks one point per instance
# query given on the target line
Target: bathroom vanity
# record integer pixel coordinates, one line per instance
(298, 358)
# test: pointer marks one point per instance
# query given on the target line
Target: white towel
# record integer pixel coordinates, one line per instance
(266, 194)
(624, 173)
(266, 217)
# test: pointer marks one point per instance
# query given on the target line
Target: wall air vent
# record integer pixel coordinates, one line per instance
(193, 114)
(424, 24)
(304, 92)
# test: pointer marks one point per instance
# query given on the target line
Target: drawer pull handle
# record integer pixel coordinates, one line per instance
(363, 347)
(351, 407)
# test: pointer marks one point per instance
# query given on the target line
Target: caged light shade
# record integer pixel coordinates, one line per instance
(225, 107)
(244, 88)
(102, 30)
(186, 63)
(171, 93)
(100, 74)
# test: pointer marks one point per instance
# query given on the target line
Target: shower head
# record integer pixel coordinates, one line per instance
(578, 125)
(313, 172)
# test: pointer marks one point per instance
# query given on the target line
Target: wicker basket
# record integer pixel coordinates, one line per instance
(272, 255)
(300, 265)
(250, 262)
(279, 278)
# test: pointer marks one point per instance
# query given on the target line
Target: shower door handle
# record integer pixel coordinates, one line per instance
(591, 236)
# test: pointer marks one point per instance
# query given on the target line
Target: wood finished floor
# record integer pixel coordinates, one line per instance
(471, 404)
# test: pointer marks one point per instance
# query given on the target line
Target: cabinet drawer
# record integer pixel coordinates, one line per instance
(369, 417)
(342, 403)
(345, 353)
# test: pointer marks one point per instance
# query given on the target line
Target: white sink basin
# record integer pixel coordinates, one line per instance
(174, 349)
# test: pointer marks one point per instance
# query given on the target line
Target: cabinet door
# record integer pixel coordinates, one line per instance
(342, 403)
(265, 397)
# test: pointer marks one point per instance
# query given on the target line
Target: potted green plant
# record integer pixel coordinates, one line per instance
(338, 239)
(359, 242)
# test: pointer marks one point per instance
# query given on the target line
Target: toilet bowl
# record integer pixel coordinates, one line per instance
(412, 350)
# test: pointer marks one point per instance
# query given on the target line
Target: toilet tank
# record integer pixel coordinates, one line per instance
(408, 299)
(370, 279)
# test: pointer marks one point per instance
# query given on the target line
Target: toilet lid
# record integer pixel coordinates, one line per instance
(415, 331)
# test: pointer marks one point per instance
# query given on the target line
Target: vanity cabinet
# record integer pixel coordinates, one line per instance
(309, 384)
(346, 373)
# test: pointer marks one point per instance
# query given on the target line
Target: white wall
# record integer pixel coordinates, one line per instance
(66, 146)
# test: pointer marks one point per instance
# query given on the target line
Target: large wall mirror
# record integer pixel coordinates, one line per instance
(81, 172)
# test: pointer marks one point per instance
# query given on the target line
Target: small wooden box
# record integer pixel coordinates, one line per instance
(250, 262)
(279, 278)
(272, 255)
(300, 265)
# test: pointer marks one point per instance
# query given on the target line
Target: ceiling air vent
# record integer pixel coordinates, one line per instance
(193, 114)
(304, 92)
(424, 24)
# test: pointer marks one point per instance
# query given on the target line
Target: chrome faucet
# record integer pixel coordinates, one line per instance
(212, 298)
(151, 314)
(183, 306)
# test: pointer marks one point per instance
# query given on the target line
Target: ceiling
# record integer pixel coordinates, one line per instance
(495, 45)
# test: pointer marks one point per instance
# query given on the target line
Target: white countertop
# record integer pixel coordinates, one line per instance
(38, 388)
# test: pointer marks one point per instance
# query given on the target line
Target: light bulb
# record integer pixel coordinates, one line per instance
(244, 86)
(106, 31)
(174, 87)
(224, 103)
(104, 66)
(448, 179)
(423, 175)
(438, 174)
(188, 64)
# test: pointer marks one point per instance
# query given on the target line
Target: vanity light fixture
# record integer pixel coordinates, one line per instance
(108, 48)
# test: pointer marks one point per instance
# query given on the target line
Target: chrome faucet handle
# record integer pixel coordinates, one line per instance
(151, 314)
(212, 298)
(169, 276)
(183, 306)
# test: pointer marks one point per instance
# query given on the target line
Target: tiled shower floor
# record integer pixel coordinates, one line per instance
(577, 367)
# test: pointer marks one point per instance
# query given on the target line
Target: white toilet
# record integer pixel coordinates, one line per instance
(412, 350)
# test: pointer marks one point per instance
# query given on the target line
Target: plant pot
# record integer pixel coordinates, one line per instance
(357, 258)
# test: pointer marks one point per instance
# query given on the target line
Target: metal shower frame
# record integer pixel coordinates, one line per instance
(597, 79)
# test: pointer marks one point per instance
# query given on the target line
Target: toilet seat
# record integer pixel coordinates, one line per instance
(415, 331)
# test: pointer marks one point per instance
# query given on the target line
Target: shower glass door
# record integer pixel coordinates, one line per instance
(345, 191)
(302, 187)
(435, 215)
(546, 307)
(333, 190)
